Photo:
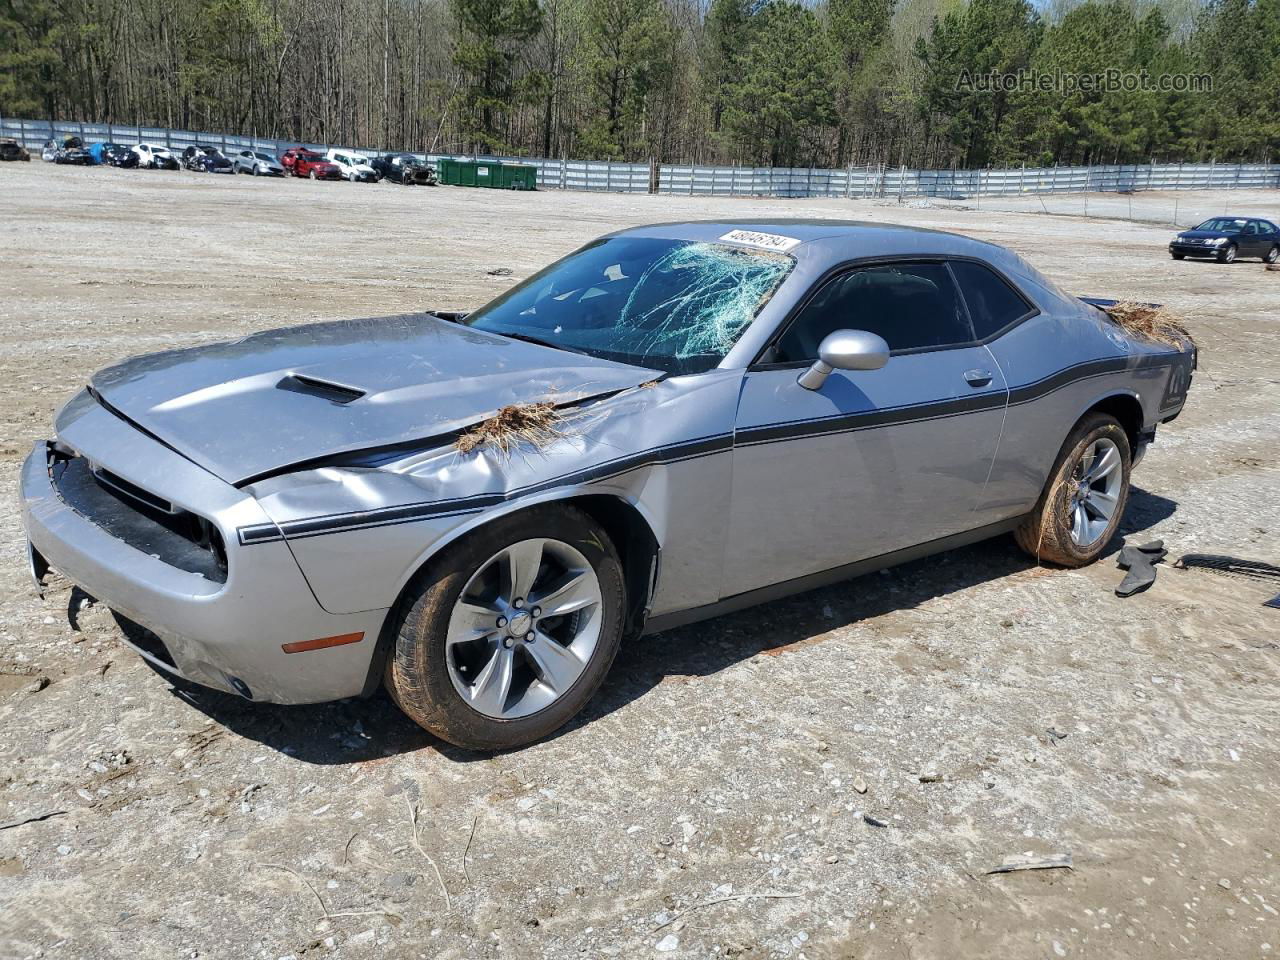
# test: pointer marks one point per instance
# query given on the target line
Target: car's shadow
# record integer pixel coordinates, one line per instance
(353, 731)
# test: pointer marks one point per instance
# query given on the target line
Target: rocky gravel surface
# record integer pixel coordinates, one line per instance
(828, 776)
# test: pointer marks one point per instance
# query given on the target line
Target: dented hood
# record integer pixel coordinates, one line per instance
(283, 397)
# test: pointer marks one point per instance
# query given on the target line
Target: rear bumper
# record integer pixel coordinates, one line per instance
(228, 636)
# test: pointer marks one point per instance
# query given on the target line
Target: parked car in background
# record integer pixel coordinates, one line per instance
(153, 156)
(257, 163)
(404, 168)
(670, 423)
(69, 150)
(11, 149)
(354, 167)
(305, 162)
(205, 159)
(1226, 238)
(113, 154)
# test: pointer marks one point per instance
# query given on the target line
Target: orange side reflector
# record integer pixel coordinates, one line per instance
(302, 646)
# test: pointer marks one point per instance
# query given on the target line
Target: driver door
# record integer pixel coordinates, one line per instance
(875, 460)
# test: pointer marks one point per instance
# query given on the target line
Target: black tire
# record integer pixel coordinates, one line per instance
(1228, 253)
(1272, 255)
(417, 671)
(1046, 533)
(1178, 256)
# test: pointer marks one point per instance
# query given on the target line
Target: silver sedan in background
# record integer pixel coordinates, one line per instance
(670, 423)
(257, 163)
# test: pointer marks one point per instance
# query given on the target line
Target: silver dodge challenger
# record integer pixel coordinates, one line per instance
(670, 423)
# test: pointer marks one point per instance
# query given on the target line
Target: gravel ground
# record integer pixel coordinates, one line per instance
(710, 801)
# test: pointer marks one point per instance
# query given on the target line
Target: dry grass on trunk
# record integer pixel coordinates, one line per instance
(1151, 323)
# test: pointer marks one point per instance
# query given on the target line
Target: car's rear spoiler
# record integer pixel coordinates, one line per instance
(1102, 302)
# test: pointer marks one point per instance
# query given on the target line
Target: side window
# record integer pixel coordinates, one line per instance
(993, 304)
(1251, 227)
(912, 305)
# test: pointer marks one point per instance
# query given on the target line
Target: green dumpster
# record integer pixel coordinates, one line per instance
(487, 173)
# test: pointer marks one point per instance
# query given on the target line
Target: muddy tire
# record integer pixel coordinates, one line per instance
(478, 661)
(1075, 500)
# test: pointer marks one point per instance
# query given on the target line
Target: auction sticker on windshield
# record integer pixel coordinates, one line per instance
(766, 241)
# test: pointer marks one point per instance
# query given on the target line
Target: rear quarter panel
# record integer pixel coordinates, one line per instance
(1059, 365)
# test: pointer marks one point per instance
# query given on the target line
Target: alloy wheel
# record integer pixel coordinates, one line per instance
(524, 628)
(1095, 492)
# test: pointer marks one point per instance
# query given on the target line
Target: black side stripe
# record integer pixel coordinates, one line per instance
(849, 422)
(705, 446)
(935, 410)
(408, 513)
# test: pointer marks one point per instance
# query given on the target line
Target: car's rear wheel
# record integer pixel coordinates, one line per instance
(1227, 254)
(1272, 255)
(1082, 503)
(506, 635)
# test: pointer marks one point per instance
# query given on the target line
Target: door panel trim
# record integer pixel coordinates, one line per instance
(823, 578)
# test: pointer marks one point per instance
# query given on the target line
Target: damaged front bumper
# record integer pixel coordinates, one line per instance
(230, 634)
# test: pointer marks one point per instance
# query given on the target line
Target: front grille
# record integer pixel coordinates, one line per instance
(140, 518)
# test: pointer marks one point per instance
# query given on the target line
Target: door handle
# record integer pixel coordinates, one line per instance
(978, 378)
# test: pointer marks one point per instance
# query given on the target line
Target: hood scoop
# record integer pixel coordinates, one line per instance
(323, 389)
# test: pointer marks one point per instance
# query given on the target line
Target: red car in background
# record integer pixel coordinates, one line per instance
(303, 162)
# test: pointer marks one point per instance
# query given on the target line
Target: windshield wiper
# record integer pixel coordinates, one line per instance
(529, 338)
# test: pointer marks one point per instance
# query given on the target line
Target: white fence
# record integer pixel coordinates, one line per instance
(872, 181)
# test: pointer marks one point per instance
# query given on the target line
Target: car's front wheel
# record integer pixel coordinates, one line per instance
(1082, 503)
(506, 635)
(1178, 256)
(1227, 254)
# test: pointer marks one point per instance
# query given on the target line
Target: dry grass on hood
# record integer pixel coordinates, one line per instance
(537, 424)
(1151, 323)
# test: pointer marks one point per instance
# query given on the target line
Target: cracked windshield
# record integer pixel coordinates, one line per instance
(674, 305)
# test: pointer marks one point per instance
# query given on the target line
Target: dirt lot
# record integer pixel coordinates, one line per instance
(706, 804)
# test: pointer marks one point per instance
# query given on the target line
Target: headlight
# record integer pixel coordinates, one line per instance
(1217, 242)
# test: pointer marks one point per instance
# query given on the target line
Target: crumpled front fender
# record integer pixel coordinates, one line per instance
(360, 533)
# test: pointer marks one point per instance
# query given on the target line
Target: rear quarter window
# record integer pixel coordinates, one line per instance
(993, 304)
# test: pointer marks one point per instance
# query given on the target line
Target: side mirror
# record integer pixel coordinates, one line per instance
(845, 350)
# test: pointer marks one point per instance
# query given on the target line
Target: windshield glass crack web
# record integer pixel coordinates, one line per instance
(706, 294)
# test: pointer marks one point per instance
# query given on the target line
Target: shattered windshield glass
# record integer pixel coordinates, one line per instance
(675, 305)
